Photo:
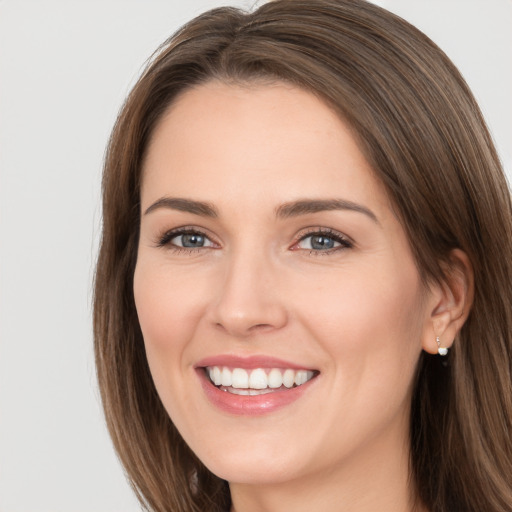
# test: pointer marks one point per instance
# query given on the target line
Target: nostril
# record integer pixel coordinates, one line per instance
(259, 327)
(242, 330)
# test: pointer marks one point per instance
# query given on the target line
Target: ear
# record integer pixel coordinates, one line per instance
(449, 303)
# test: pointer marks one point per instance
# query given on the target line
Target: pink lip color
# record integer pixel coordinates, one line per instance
(249, 405)
(249, 363)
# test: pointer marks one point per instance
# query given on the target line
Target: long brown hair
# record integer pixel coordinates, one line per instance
(422, 131)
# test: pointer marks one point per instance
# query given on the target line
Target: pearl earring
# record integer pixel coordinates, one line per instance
(442, 351)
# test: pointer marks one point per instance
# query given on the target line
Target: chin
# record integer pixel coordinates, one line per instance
(254, 462)
(252, 472)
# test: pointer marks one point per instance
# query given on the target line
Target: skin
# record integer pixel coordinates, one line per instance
(358, 314)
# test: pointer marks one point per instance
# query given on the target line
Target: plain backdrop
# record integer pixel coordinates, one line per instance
(65, 68)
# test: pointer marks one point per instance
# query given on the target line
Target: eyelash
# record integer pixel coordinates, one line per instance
(164, 241)
(336, 236)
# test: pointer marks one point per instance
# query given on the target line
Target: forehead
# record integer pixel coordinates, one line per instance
(255, 143)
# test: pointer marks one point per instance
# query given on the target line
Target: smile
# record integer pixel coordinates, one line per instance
(254, 385)
(257, 381)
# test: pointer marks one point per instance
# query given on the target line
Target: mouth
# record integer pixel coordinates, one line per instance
(254, 385)
(257, 381)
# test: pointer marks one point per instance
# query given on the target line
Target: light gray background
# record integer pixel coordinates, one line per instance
(65, 68)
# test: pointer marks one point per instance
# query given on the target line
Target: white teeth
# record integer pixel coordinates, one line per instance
(251, 392)
(240, 378)
(217, 376)
(226, 378)
(258, 381)
(275, 379)
(302, 376)
(289, 378)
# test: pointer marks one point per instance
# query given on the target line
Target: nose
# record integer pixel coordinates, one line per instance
(249, 298)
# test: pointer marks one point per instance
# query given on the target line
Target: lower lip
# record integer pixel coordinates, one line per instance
(244, 405)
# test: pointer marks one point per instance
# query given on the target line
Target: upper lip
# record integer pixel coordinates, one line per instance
(249, 362)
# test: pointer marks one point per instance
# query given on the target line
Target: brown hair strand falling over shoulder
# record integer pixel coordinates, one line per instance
(421, 130)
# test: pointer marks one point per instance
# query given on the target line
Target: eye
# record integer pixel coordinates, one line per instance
(190, 240)
(324, 240)
(185, 239)
(318, 242)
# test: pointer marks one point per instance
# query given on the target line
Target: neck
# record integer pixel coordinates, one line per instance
(377, 478)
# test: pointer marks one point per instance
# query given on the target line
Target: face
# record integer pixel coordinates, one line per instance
(281, 308)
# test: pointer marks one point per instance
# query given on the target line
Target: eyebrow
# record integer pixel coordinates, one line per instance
(286, 210)
(184, 205)
(305, 206)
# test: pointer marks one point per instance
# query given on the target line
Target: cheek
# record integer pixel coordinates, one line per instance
(166, 303)
(370, 325)
(169, 308)
(385, 299)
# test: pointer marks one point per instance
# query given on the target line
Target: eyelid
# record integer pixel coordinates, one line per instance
(163, 240)
(345, 241)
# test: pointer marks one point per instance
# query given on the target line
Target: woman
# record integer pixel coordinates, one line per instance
(303, 289)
